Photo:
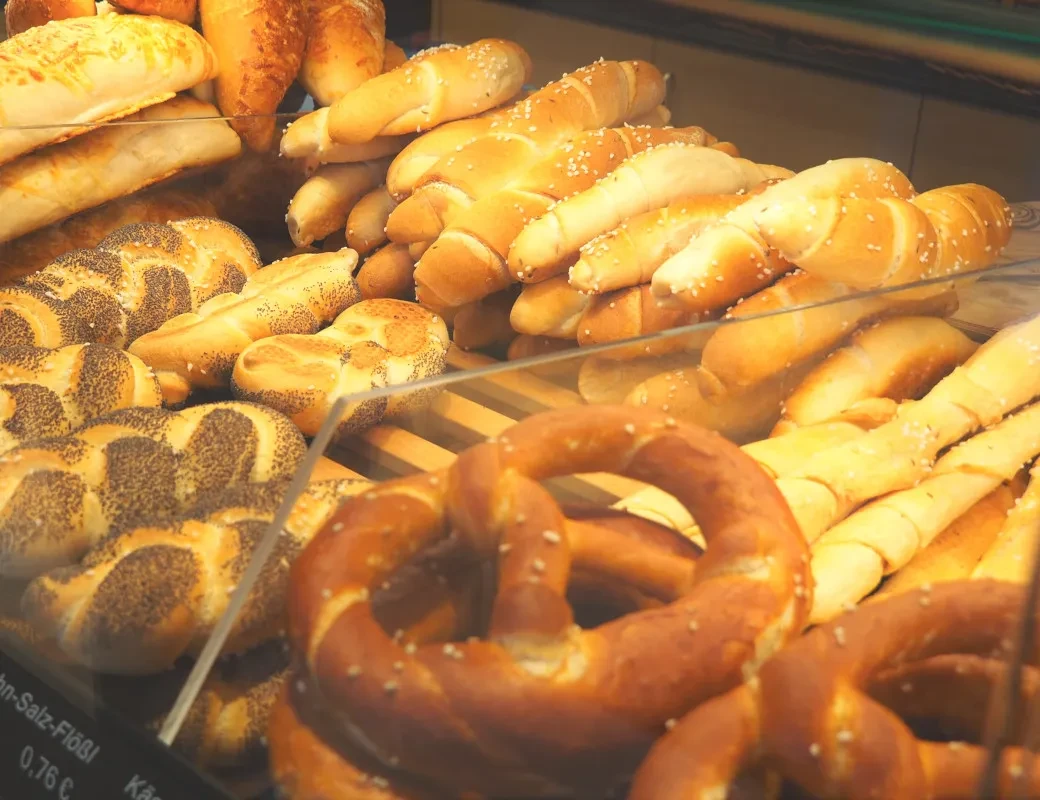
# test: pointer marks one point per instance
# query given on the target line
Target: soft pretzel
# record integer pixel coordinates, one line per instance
(49, 392)
(136, 278)
(436, 86)
(1010, 556)
(345, 47)
(468, 260)
(503, 716)
(869, 242)
(808, 715)
(296, 295)
(898, 358)
(371, 345)
(324, 202)
(308, 138)
(366, 223)
(646, 181)
(602, 95)
(60, 496)
(102, 611)
(722, 254)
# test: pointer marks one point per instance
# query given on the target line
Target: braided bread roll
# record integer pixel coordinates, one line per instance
(602, 95)
(324, 202)
(136, 278)
(296, 295)
(468, 260)
(60, 496)
(436, 86)
(49, 392)
(147, 596)
(308, 138)
(374, 344)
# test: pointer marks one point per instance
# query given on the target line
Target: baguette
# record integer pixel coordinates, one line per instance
(551, 308)
(468, 259)
(345, 46)
(308, 138)
(131, 283)
(50, 185)
(120, 64)
(870, 242)
(49, 392)
(366, 223)
(739, 356)
(1011, 554)
(485, 322)
(387, 273)
(101, 611)
(297, 295)
(259, 45)
(323, 203)
(603, 95)
(20, 15)
(898, 358)
(374, 344)
(59, 497)
(721, 255)
(884, 535)
(647, 181)
(437, 86)
(629, 254)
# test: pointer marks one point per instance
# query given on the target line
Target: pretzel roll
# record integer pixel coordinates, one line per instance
(61, 496)
(720, 255)
(345, 45)
(366, 223)
(436, 86)
(869, 242)
(551, 308)
(740, 356)
(182, 11)
(647, 181)
(485, 322)
(308, 137)
(468, 259)
(534, 655)
(98, 610)
(373, 344)
(323, 204)
(899, 358)
(808, 716)
(387, 273)
(20, 15)
(297, 295)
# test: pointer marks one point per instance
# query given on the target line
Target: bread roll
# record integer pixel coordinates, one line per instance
(366, 223)
(608, 381)
(298, 295)
(49, 392)
(1011, 554)
(308, 138)
(323, 204)
(120, 64)
(374, 344)
(182, 11)
(524, 346)
(393, 56)
(387, 273)
(630, 313)
(259, 45)
(20, 15)
(55, 183)
(436, 86)
(485, 322)
(550, 308)
(345, 46)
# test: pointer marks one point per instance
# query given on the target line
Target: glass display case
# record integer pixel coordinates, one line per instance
(275, 523)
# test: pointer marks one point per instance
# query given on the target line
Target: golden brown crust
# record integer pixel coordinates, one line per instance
(485, 322)
(20, 15)
(550, 308)
(182, 11)
(345, 46)
(322, 205)
(388, 273)
(366, 223)
(393, 56)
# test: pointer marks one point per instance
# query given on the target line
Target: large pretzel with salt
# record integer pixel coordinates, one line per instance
(926, 653)
(542, 706)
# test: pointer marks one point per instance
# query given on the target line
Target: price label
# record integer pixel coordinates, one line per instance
(62, 744)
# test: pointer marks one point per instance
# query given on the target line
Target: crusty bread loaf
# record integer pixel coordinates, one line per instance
(739, 356)
(603, 95)
(103, 611)
(259, 45)
(468, 259)
(550, 308)
(182, 11)
(118, 65)
(297, 295)
(134, 280)
(49, 392)
(323, 204)
(899, 358)
(345, 46)
(436, 86)
(648, 180)
(61, 496)
(55, 183)
(20, 15)
(485, 322)
(308, 138)
(374, 344)
(366, 223)
(388, 273)
(32, 252)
